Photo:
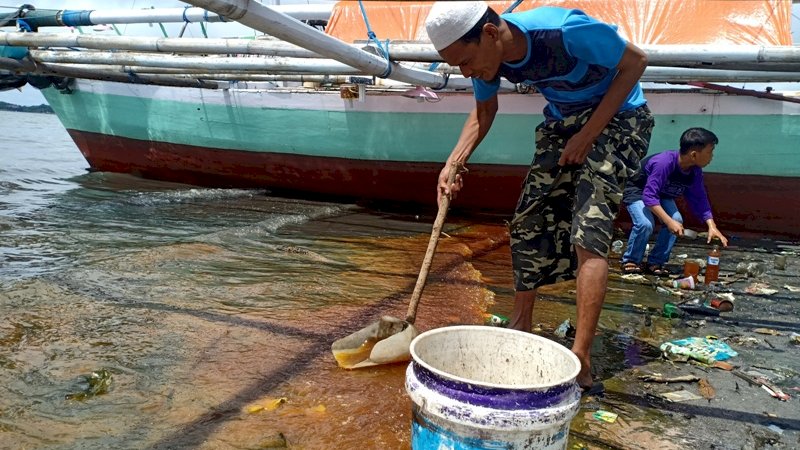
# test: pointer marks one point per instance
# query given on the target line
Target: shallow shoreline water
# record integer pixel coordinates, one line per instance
(213, 312)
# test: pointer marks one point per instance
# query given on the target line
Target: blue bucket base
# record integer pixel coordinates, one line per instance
(427, 435)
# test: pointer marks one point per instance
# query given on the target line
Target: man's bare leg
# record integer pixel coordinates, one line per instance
(523, 310)
(591, 291)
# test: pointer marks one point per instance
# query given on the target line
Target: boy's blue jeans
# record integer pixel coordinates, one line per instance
(643, 224)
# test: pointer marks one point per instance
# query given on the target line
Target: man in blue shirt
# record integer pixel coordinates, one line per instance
(597, 128)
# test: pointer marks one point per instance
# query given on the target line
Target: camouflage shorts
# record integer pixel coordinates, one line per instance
(574, 205)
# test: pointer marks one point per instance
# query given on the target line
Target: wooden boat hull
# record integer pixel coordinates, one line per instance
(390, 148)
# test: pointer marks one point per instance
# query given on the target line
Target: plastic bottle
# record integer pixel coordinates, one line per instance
(671, 310)
(712, 266)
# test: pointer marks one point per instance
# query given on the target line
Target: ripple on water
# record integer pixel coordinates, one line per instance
(191, 349)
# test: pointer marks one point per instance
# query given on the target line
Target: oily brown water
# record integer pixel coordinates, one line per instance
(140, 314)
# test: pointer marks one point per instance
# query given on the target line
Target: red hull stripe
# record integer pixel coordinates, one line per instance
(750, 203)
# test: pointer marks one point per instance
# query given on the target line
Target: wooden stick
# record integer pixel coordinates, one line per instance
(411, 314)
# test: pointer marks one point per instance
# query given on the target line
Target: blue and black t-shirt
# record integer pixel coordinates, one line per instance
(571, 60)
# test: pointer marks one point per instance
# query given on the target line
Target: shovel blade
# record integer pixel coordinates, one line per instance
(354, 349)
(395, 348)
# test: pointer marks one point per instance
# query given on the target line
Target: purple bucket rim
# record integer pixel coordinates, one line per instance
(496, 398)
(459, 328)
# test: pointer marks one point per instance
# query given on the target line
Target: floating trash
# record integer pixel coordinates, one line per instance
(680, 396)
(97, 383)
(565, 329)
(706, 389)
(760, 289)
(495, 320)
(751, 269)
(768, 331)
(605, 416)
(269, 405)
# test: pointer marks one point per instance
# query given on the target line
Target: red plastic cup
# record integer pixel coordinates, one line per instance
(722, 304)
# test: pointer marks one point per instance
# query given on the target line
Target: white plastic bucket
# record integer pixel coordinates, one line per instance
(478, 387)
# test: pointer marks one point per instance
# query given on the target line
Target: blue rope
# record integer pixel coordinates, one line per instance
(446, 77)
(185, 19)
(512, 7)
(384, 50)
(24, 25)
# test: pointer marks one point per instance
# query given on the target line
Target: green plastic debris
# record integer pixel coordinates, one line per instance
(495, 320)
(605, 416)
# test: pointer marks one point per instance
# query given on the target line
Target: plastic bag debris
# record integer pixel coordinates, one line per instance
(768, 331)
(634, 277)
(760, 289)
(318, 409)
(706, 350)
(775, 428)
(565, 329)
(605, 416)
(268, 405)
(680, 396)
(751, 269)
(726, 296)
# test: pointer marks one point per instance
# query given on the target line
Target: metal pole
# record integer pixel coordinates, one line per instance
(206, 63)
(272, 22)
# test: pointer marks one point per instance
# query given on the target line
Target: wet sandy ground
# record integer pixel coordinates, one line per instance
(736, 414)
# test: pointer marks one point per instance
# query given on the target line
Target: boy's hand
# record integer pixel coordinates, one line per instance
(713, 232)
(675, 227)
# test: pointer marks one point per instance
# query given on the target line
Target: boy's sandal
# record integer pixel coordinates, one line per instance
(659, 271)
(630, 268)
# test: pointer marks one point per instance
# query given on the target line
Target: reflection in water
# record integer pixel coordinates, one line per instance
(201, 303)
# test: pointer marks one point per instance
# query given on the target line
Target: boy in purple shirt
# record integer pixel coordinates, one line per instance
(651, 194)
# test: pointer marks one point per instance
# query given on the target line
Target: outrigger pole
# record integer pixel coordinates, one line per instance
(275, 23)
(699, 56)
(37, 18)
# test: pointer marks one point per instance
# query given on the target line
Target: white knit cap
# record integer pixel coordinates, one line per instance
(448, 21)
